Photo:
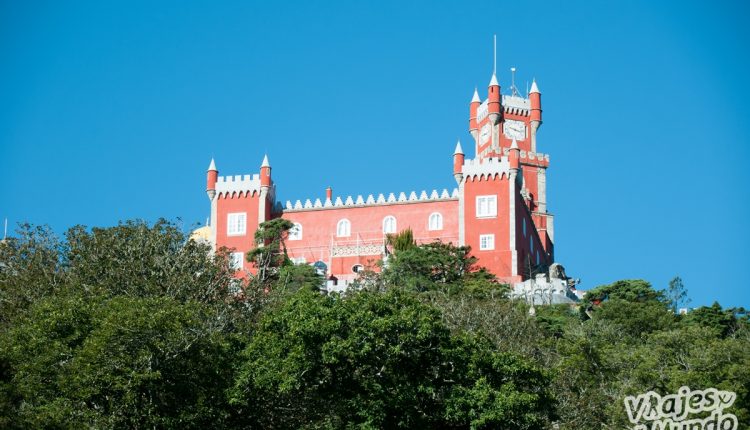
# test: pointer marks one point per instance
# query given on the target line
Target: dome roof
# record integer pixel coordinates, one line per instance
(202, 234)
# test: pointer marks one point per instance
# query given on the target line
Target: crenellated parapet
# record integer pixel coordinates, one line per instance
(237, 184)
(479, 169)
(516, 105)
(370, 200)
(534, 158)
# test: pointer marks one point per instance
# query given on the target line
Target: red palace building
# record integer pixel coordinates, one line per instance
(499, 207)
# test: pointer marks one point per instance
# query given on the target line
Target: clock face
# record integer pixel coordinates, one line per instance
(484, 134)
(513, 129)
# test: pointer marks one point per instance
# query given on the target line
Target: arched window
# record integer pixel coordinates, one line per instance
(389, 224)
(435, 222)
(343, 228)
(295, 233)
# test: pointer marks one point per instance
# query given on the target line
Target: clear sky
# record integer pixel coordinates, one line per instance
(112, 110)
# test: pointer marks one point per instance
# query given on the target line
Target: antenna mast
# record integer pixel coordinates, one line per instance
(494, 54)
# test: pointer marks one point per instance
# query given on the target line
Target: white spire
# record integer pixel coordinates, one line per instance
(494, 54)
(458, 150)
(476, 96)
(514, 144)
(265, 161)
(534, 88)
(493, 81)
(212, 166)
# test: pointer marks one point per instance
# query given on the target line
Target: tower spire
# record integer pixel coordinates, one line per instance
(458, 150)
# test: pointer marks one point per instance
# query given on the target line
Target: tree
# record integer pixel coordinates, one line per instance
(269, 253)
(132, 327)
(31, 267)
(124, 362)
(140, 260)
(434, 266)
(677, 294)
(633, 305)
(380, 360)
(721, 322)
(402, 241)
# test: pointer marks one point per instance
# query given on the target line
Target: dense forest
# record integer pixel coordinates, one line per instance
(137, 326)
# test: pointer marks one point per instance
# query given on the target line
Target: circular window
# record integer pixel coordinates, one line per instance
(357, 268)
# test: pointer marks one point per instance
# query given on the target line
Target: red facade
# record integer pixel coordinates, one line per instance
(499, 206)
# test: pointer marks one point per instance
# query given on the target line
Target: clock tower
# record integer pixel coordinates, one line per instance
(506, 125)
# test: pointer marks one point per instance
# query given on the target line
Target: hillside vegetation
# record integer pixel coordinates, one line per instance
(136, 326)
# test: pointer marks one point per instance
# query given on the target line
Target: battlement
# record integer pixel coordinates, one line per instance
(226, 185)
(370, 200)
(516, 105)
(485, 167)
(528, 157)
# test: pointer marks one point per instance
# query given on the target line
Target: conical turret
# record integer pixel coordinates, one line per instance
(493, 105)
(212, 176)
(535, 99)
(265, 172)
(473, 107)
(458, 162)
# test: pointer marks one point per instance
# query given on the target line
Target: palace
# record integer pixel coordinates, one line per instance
(498, 208)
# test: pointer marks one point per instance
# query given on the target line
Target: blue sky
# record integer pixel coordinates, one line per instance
(112, 110)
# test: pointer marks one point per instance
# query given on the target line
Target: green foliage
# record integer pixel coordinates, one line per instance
(721, 322)
(380, 360)
(134, 326)
(401, 241)
(296, 277)
(677, 294)
(127, 326)
(30, 268)
(633, 305)
(138, 260)
(123, 362)
(270, 252)
(433, 266)
(631, 290)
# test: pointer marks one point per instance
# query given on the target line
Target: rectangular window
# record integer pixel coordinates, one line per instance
(299, 260)
(236, 224)
(486, 206)
(486, 242)
(295, 233)
(235, 260)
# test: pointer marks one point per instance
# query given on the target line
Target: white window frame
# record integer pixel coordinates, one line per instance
(486, 206)
(236, 260)
(295, 233)
(389, 224)
(299, 260)
(438, 221)
(343, 228)
(486, 242)
(238, 220)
